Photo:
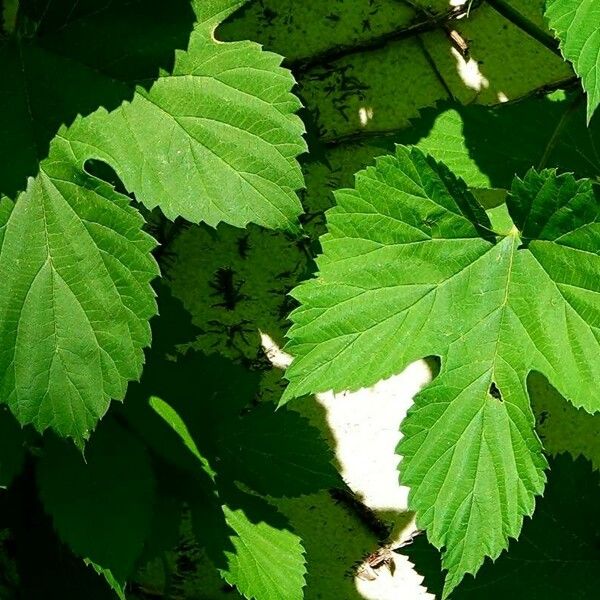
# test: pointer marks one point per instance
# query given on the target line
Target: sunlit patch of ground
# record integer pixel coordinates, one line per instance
(364, 426)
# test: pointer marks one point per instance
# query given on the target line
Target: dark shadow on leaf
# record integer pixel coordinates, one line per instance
(101, 503)
(44, 567)
(102, 170)
(505, 140)
(71, 57)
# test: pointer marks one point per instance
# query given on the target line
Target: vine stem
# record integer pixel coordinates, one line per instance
(424, 21)
(537, 33)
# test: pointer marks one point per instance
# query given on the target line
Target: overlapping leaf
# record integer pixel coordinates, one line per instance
(216, 438)
(76, 267)
(216, 140)
(556, 556)
(258, 546)
(243, 546)
(488, 146)
(411, 268)
(102, 505)
(56, 64)
(577, 26)
(369, 66)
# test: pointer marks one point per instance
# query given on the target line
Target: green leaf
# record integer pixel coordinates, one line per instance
(347, 56)
(170, 416)
(44, 567)
(562, 427)
(488, 146)
(12, 451)
(410, 268)
(264, 559)
(299, 460)
(268, 561)
(227, 437)
(118, 588)
(576, 23)
(74, 313)
(216, 140)
(101, 505)
(57, 64)
(556, 555)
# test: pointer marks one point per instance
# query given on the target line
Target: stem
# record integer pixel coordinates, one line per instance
(514, 16)
(425, 21)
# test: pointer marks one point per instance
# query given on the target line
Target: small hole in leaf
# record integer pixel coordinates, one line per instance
(103, 171)
(495, 392)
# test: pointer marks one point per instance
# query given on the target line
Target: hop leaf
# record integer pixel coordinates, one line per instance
(76, 302)
(216, 140)
(576, 23)
(411, 268)
(102, 505)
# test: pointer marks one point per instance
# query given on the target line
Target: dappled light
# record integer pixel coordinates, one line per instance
(368, 419)
(282, 280)
(365, 114)
(468, 69)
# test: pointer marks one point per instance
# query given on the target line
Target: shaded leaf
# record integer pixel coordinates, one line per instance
(56, 64)
(234, 283)
(487, 147)
(114, 585)
(370, 66)
(166, 408)
(264, 559)
(175, 422)
(299, 460)
(228, 438)
(268, 562)
(102, 505)
(12, 451)
(562, 427)
(172, 325)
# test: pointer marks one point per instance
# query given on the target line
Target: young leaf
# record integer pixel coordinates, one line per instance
(216, 140)
(410, 268)
(74, 311)
(101, 505)
(576, 23)
(268, 562)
